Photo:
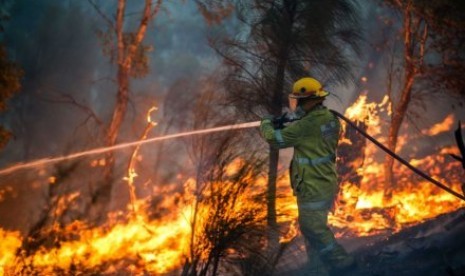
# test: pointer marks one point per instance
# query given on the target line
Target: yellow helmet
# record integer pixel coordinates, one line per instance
(308, 88)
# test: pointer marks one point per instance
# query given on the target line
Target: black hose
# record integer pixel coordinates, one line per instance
(398, 158)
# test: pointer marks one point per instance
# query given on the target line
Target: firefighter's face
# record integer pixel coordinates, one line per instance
(293, 103)
(305, 104)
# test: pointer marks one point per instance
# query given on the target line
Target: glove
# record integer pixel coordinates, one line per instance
(278, 122)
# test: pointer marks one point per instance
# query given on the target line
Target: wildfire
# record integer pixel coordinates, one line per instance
(441, 127)
(159, 241)
(9, 243)
(414, 200)
(160, 245)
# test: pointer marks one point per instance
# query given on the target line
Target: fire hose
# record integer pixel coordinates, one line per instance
(279, 122)
(397, 157)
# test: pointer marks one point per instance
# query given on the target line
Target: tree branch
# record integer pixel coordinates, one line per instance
(423, 39)
(233, 61)
(157, 8)
(408, 36)
(148, 14)
(102, 14)
(119, 31)
(66, 98)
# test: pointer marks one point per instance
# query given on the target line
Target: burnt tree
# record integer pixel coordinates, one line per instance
(125, 48)
(430, 63)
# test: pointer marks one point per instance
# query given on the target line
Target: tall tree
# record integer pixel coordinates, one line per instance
(431, 34)
(126, 49)
(287, 39)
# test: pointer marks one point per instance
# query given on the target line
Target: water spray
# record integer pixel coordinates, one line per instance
(50, 160)
(283, 119)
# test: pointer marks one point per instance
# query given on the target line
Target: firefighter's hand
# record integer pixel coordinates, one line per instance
(278, 122)
(267, 120)
(275, 122)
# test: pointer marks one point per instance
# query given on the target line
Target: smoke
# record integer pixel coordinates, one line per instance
(69, 91)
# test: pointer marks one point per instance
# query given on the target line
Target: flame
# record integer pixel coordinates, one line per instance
(131, 171)
(157, 244)
(158, 240)
(8, 190)
(445, 125)
(10, 241)
(52, 179)
(414, 201)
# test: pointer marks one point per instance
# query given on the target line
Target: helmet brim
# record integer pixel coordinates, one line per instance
(323, 94)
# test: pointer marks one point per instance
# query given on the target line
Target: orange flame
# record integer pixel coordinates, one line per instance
(414, 200)
(445, 125)
(159, 244)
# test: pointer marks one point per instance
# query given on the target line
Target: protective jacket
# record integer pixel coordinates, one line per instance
(313, 170)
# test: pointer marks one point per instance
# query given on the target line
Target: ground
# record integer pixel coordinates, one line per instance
(435, 247)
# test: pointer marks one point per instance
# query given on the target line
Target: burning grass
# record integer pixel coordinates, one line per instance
(216, 217)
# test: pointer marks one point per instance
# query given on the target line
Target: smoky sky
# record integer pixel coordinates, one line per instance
(68, 90)
(69, 84)
(57, 45)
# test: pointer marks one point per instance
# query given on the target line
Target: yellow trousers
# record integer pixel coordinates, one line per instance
(324, 253)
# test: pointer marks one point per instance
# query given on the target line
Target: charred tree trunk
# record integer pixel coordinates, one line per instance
(415, 34)
(276, 110)
(397, 118)
(103, 194)
(125, 55)
(289, 10)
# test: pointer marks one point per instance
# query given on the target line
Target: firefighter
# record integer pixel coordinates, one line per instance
(313, 173)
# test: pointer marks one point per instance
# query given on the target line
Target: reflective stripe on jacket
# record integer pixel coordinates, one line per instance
(313, 167)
